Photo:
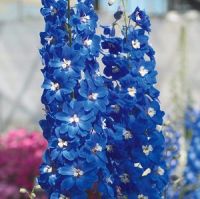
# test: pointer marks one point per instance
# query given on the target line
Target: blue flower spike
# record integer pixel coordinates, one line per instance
(75, 99)
(103, 129)
(136, 143)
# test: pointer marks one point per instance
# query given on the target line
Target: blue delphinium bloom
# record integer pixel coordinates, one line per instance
(74, 119)
(172, 149)
(94, 95)
(172, 155)
(85, 19)
(75, 99)
(136, 143)
(192, 170)
(79, 174)
(56, 85)
(141, 19)
(67, 61)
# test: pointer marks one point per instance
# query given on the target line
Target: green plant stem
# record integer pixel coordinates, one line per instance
(125, 17)
(188, 188)
(68, 26)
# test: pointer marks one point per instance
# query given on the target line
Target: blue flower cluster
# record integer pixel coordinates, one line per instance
(75, 100)
(187, 186)
(192, 170)
(103, 131)
(172, 157)
(172, 147)
(134, 119)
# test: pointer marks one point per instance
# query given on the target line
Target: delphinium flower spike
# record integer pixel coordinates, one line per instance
(191, 175)
(172, 157)
(75, 100)
(134, 119)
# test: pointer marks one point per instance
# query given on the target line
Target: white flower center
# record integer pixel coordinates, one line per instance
(77, 172)
(109, 148)
(136, 44)
(54, 86)
(74, 119)
(53, 10)
(116, 108)
(97, 148)
(141, 196)
(48, 169)
(132, 91)
(124, 178)
(159, 128)
(127, 135)
(63, 197)
(151, 112)
(104, 126)
(62, 143)
(146, 172)
(93, 96)
(160, 171)
(143, 71)
(109, 180)
(138, 165)
(138, 18)
(49, 39)
(66, 63)
(147, 149)
(115, 69)
(88, 42)
(85, 19)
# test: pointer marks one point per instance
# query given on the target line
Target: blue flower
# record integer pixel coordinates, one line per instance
(54, 12)
(53, 37)
(56, 85)
(141, 19)
(68, 61)
(101, 129)
(115, 67)
(88, 46)
(75, 120)
(134, 145)
(49, 178)
(114, 45)
(94, 150)
(192, 169)
(154, 113)
(137, 43)
(85, 19)
(118, 14)
(109, 30)
(62, 147)
(95, 96)
(79, 176)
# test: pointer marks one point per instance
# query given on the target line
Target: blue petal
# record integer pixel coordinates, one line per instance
(85, 126)
(62, 116)
(87, 117)
(69, 155)
(67, 183)
(66, 170)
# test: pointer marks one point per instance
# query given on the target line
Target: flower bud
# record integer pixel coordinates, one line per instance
(23, 190)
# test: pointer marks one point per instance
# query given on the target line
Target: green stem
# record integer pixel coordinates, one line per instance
(69, 28)
(125, 17)
(188, 188)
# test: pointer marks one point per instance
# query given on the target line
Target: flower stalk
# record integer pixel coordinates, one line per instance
(125, 17)
(68, 26)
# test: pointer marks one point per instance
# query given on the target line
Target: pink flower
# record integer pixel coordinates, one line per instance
(20, 157)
